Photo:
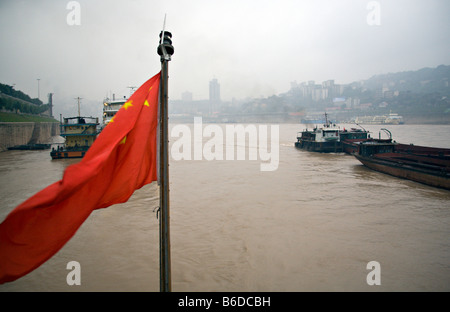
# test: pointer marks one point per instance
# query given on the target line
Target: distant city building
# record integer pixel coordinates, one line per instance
(328, 83)
(186, 96)
(214, 95)
(317, 92)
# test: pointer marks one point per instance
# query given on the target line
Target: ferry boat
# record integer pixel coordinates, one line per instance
(110, 108)
(79, 133)
(391, 119)
(394, 119)
(427, 165)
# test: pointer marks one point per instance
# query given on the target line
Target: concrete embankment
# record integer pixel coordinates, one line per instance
(20, 133)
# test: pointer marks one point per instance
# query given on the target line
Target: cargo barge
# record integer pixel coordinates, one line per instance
(427, 165)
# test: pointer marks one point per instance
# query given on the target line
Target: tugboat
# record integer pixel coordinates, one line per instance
(331, 138)
(325, 139)
(427, 165)
(79, 133)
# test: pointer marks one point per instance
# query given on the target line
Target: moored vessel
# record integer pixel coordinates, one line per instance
(79, 133)
(110, 109)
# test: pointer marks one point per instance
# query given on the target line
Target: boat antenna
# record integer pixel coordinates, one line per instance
(78, 99)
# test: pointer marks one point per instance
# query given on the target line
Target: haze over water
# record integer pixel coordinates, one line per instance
(311, 225)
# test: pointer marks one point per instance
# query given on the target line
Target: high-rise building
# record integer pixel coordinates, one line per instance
(214, 95)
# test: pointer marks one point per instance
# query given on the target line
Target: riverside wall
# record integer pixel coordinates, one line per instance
(20, 133)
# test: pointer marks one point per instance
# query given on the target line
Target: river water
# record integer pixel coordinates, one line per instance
(311, 225)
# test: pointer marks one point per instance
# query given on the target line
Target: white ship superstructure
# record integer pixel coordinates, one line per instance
(110, 108)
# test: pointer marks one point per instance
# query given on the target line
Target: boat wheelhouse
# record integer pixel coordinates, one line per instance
(324, 139)
(79, 133)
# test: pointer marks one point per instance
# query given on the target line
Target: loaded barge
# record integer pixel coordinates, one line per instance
(427, 165)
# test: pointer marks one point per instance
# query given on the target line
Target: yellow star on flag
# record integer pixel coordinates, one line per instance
(146, 102)
(123, 140)
(127, 104)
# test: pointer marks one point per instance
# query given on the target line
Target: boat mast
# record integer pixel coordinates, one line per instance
(165, 50)
(78, 99)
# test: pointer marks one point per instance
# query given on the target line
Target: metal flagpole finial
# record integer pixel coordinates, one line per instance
(164, 25)
(165, 48)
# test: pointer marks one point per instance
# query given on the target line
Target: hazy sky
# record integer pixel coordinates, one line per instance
(253, 47)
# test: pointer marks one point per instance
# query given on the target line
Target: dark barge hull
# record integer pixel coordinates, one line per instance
(427, 174)
(61, 154)
(322, 147)
(30, 147)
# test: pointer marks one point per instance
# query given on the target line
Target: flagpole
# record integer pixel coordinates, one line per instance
(165, 50)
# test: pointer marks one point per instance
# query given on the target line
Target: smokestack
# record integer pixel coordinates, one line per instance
(50, 104)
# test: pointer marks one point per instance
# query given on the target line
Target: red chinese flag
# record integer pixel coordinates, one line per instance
(121, 160)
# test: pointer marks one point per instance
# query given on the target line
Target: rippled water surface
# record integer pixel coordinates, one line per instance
(311, 225)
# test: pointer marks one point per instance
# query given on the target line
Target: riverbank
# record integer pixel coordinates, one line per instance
(21, 133)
